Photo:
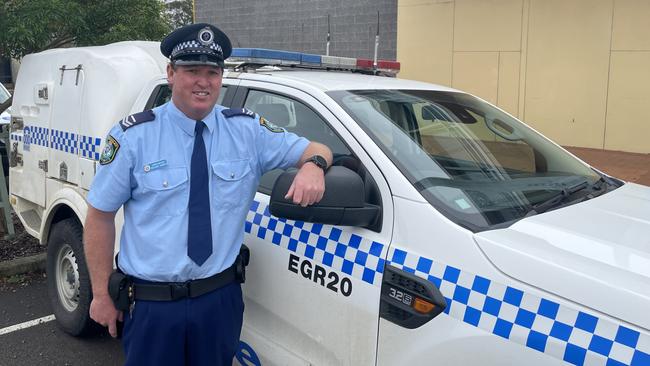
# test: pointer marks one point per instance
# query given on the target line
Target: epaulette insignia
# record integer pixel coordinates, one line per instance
(136, 119)
(270, 126)
(238, 112)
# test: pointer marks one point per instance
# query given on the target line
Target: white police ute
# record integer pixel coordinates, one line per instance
(450, 233)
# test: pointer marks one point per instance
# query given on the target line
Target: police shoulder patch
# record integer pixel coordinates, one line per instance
(136, 119)
(110, 150)
(270, 126)
(238, 112)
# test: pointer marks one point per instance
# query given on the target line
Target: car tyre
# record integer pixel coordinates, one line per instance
(68, 280)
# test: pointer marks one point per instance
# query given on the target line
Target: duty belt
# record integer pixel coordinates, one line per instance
(170, 291)
(124, 289)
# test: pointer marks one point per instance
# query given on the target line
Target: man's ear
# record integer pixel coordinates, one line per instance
(170, 73)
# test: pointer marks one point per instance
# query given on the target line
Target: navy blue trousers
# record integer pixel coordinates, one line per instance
(201, 331)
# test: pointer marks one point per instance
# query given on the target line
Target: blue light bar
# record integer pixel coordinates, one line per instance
(262, 53)
(263, 56)
(306, 58)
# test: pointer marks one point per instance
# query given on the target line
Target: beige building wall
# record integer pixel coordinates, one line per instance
(576, 70)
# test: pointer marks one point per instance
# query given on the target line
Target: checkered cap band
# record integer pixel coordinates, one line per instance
(195, 47)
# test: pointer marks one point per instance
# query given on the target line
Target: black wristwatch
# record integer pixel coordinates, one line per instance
(319, 161)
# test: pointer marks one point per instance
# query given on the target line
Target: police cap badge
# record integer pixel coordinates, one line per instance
(197, 44)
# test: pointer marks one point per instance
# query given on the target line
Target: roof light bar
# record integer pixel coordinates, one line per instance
(388, 65)
(267, 57)
(364, 63)
(308, 59)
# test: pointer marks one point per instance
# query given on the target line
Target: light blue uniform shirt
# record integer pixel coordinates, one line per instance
(150, 176)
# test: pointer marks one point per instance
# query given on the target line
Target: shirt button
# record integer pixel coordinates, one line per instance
(232, 175)
(165, 184)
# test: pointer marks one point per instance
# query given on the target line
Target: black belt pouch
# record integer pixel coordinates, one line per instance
(118, 290)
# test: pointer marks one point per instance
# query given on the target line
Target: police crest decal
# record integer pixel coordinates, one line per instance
(110, 150)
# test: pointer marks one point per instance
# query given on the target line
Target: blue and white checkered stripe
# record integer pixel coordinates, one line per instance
(89, 147)
(38, 135)
(574, 336)
(349, 253)
(64, 141)
(544, 325)
(571, 335)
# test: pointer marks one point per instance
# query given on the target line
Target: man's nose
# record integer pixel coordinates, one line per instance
(202, 80)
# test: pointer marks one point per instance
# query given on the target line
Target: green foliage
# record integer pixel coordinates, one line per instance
(180, 12)
(28, 26)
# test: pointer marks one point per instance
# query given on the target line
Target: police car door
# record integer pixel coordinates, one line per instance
(312, 291)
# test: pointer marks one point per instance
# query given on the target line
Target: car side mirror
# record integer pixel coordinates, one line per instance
(343, 202)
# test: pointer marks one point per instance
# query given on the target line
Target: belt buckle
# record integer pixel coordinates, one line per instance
(179, 290)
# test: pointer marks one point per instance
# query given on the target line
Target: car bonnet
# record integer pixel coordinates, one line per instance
(595, 253)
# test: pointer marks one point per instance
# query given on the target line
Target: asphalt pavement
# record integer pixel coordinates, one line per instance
(23, 299)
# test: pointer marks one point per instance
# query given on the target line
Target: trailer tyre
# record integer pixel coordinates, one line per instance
(68, 281)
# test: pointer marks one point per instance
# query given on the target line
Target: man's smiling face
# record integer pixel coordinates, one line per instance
(195, 88)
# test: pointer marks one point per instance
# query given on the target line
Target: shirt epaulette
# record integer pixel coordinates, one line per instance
(136, 119)
(238, 112)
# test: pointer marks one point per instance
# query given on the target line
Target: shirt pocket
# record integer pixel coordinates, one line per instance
(168, 190)
(233, 181)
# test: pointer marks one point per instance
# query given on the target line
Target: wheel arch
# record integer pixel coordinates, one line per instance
(66, 203)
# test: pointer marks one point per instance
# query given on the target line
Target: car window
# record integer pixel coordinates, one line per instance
(4, 94)
(296, 117)
(479, 166)
(438, 136)
(163, 94)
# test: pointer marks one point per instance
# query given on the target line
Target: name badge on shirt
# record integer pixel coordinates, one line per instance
(155, 165)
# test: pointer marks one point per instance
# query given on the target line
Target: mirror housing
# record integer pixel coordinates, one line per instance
(343, 202)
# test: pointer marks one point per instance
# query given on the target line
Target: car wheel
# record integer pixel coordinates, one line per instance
(68, 281)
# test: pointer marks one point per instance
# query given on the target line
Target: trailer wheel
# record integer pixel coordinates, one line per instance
(68, 281)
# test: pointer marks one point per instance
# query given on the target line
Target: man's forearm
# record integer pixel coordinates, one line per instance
(99, 242)
(315, 148)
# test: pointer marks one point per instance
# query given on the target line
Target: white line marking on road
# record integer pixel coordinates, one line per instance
(27, 324)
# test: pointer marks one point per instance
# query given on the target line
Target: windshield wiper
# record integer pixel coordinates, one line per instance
(558, 198)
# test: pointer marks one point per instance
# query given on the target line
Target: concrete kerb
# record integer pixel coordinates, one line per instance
(23, 265)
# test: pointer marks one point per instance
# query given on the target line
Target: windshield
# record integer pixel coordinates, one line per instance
(477, 165)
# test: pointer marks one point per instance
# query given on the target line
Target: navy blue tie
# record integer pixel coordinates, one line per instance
(199, 227)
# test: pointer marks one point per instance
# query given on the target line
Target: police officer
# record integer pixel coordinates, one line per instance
(186, 173)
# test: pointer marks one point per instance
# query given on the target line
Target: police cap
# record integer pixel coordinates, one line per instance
(197, 44)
